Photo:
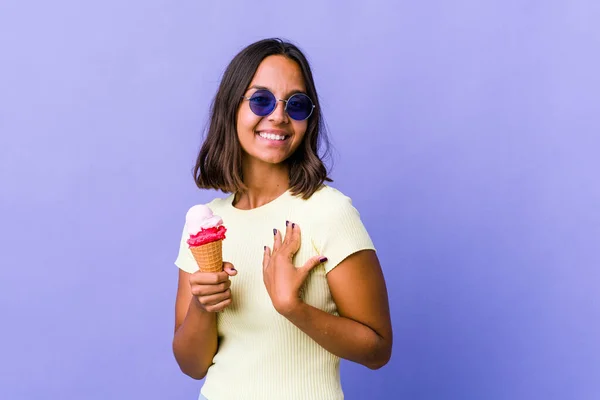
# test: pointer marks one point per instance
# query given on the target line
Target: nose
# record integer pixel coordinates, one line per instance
(279, 115)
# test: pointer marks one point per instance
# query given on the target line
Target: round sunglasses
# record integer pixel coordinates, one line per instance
(299, 106)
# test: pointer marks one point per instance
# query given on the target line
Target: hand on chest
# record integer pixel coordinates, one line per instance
(244, 248)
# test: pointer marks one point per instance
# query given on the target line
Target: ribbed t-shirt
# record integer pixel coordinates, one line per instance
(262, 355)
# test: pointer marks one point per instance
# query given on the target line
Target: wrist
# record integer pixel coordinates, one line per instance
(291, 309)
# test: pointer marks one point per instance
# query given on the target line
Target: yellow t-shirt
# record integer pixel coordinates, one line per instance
(261, 354)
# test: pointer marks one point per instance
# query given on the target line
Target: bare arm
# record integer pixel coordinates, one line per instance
(363, 331)
(199, 296)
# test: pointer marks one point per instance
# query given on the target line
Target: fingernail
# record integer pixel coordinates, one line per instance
(293, 225)
(233, 269)
(286, 223)
(265, 248)
(274, 231)
(323, 259)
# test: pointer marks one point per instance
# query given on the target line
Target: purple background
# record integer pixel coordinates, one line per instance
(466, 132)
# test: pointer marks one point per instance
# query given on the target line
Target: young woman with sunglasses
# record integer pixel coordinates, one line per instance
(302, 286)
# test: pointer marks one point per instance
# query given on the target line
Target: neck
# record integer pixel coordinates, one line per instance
(265, 182)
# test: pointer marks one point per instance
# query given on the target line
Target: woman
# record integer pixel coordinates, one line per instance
(302, 286)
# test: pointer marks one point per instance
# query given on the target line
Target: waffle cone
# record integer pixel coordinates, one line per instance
(209, 256)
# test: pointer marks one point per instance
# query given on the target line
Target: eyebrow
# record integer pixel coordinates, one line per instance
(291, 93)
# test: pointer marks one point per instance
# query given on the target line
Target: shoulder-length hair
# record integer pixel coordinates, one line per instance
(219, 163)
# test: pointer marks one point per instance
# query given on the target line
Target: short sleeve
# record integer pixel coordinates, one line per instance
(343, 233)
(185, 259)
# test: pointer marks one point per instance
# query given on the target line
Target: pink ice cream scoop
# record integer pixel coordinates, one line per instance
(203, 226)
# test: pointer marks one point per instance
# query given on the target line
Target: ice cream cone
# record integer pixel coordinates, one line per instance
(209, 256)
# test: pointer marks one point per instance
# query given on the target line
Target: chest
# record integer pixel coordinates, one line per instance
(244, 248)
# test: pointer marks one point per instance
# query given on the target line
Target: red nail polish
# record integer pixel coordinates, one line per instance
(274, 231)
(293, 225)
(323, 259)
(286, 223)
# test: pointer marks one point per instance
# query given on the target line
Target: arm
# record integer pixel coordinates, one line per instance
(195, 339)
(199, 296)
(362, 332)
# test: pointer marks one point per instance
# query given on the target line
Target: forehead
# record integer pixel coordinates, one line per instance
(279, 73)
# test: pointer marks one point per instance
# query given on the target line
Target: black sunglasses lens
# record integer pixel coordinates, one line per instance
(299, 107)
(262, 103)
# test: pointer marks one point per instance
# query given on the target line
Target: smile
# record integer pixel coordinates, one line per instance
(272, 136)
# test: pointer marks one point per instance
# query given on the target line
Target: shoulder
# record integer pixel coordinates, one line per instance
(338, 229)
(328, 195)
(220, 204)
(327, 203)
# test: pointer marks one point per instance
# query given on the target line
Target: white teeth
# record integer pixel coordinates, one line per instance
(271, 136)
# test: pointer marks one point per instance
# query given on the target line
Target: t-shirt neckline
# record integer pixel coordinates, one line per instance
(265, 206)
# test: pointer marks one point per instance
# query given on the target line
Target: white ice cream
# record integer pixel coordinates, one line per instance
(201, 217)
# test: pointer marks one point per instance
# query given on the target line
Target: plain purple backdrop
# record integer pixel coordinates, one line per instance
(467, 133)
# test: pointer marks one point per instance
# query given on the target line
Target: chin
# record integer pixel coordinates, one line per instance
(273, 160)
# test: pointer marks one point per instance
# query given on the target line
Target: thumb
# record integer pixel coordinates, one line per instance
(230, 269)
(310, 264)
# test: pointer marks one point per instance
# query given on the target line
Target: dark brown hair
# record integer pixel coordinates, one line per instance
(219, 163)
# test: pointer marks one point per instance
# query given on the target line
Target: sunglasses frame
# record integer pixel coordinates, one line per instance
(285, 101)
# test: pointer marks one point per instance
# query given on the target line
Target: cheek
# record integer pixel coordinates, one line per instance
(246, 121)
(300, 129)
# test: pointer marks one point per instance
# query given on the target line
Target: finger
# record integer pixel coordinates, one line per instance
(294, 238)
(288, 230)
(310, 265)
(205, 290)
(266, 257)
(214, 299)
(208, 278)
(229, 269)
(218, 307)
(276, 240)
